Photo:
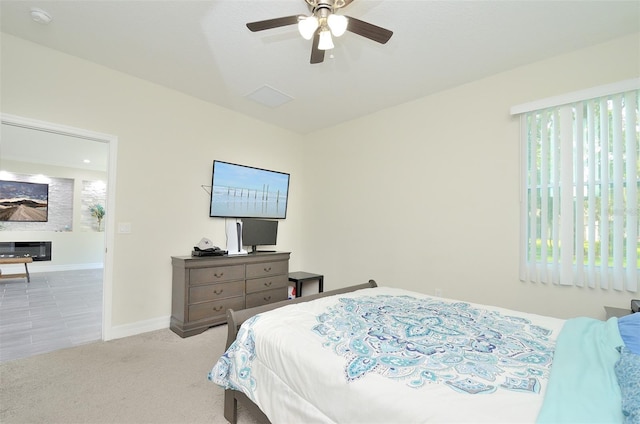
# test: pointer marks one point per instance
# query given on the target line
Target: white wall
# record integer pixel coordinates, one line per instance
(166, 146)
(446, 166)
(425, 195)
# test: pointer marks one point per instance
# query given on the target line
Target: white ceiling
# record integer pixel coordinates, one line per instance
(34, 146)
(203, 48)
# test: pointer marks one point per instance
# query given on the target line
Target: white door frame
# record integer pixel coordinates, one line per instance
(109, 231)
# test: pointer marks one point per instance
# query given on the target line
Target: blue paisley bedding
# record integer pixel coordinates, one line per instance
(421, 341)
(388, 355)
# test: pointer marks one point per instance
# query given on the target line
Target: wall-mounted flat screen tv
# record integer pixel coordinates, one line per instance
(24, 202)
(239, 191)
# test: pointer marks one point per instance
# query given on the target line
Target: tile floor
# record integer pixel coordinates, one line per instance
(54, 311)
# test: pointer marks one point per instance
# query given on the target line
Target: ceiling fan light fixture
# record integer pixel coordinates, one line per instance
(307, 27)
(337, 24)
(322, 25)
(325, 42)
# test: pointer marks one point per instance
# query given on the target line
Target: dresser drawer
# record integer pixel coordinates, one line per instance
(267, 283)
(216, 308)
(216, 274)
(209, 292)
(267, 268)
(266, 296)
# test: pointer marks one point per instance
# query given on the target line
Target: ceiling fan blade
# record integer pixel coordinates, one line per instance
(339, 4)
(367, 30)
(317, 55)
(272, 23)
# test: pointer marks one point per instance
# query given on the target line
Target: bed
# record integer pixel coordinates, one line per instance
(368, 354)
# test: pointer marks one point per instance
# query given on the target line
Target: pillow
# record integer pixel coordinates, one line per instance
(627, 370)
(629, 327)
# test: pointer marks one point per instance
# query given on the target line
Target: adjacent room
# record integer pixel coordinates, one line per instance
(55, 299)
(408, 146)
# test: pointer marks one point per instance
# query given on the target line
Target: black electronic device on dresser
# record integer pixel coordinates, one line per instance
(212, 252)
(259, 232)
(635, 305)
(206, 248)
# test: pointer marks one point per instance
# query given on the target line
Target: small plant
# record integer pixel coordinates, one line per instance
(97, 211)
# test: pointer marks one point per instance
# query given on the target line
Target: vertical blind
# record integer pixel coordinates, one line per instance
(580, 181)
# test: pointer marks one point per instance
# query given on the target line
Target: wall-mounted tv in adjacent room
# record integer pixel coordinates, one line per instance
(25, 202)
(239, 191)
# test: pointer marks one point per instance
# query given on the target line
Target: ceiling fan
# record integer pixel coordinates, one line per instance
(322, 23)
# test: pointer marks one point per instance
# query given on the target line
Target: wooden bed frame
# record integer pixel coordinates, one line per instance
(235, 320)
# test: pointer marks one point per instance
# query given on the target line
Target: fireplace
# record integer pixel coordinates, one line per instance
(38, 250)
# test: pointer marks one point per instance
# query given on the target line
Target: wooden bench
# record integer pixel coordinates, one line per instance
(16, 260)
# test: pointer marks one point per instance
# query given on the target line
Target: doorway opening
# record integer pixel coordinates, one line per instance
(86, 230)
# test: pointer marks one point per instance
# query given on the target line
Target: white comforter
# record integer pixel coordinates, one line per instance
(386, 355)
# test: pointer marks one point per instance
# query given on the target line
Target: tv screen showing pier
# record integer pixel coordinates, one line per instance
(240, 191)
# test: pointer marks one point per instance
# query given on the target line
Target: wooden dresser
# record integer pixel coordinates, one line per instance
(205, 287)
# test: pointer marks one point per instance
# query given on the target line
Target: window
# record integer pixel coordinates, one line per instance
(579, 192)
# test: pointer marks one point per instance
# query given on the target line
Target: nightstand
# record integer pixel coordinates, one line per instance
(616, 312)
(300, 277)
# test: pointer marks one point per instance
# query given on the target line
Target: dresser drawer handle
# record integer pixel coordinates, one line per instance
(266, 299)
(218, 292)
(267, 269)
(215, 274)
(217, 308)
(267, 284)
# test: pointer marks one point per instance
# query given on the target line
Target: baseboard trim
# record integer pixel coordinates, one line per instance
(135, 328)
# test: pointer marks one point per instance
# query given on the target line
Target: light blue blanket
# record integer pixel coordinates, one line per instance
(583, 387)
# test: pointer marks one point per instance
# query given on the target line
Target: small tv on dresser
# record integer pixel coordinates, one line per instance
(259, 232)
(240, 191)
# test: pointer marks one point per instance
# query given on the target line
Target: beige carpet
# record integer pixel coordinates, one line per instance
(155, 377)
